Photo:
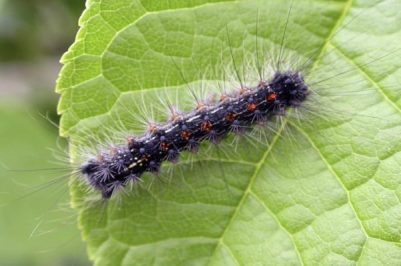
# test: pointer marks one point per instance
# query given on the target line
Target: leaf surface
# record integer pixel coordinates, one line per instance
(323, 189)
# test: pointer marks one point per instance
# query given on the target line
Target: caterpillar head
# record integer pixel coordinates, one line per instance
(290, 88)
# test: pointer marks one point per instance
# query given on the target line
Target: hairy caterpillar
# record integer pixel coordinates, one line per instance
(233, 113)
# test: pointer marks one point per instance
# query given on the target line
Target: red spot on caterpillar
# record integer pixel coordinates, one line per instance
(230, 117)
(185, 135)
(206, 126)
(164, 146)
(251, 107)
(271, 97)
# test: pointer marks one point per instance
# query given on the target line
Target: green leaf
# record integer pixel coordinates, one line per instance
(324, 189)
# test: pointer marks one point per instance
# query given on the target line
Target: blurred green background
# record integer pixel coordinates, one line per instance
(37, 227)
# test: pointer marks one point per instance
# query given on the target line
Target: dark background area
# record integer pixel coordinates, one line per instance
(37, 226)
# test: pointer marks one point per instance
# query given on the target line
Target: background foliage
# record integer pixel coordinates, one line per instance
(35, 228)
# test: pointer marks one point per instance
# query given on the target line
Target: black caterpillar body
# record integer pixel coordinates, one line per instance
(233, 113)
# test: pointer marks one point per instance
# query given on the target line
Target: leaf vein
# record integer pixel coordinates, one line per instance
(250, 183)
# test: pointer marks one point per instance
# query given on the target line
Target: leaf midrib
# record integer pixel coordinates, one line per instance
(247, 191)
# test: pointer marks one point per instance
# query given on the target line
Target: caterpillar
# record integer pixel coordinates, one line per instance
(234, 113)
